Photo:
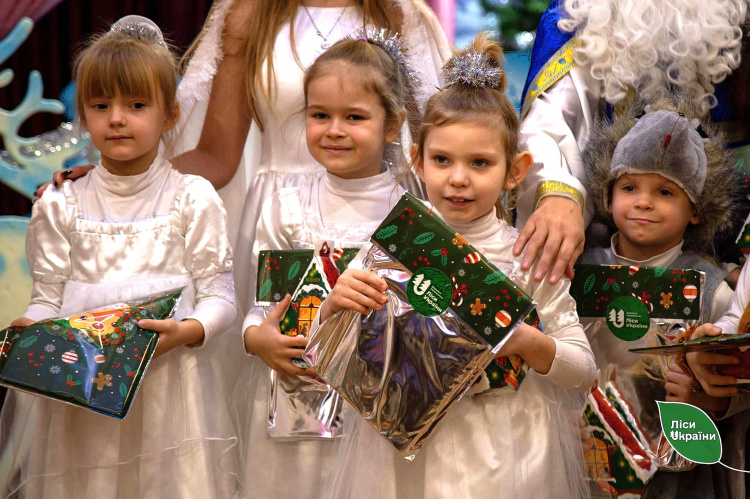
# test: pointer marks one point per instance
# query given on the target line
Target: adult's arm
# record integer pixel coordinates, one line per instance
(219, 150)
(552, 208)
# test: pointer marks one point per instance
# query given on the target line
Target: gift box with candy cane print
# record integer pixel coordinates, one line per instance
(95, 359)
(623, 308)
(402, 368)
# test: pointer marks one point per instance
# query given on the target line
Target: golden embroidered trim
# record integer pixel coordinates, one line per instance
(556, 188)
(557, 67)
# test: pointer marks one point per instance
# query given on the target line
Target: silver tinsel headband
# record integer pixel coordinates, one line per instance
(391, 43)
(141, 28)
(472, 68)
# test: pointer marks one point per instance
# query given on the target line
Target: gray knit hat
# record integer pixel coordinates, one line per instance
(671, 140)
(664, 142)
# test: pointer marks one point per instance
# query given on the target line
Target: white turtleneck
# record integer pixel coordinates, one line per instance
(160, 201)
(343, 211)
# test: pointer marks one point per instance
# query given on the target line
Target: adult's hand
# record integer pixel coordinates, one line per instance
(554, 234)
(60, 175)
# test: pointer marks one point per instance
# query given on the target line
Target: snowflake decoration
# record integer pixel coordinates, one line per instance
(686, 310)
(55, 326)
(635, 285)
(129, 326)
(488, 331)
(49, 348)
(461, 272)
(16, 336)
(276, 297)
(81, 335)
(392, 248)
(120, 350)
(55, 369)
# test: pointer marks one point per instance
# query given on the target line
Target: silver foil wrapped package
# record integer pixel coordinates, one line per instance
(622, 308)
(301, 408)
(402, 368)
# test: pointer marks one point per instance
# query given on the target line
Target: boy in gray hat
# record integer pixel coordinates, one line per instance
(665, 180)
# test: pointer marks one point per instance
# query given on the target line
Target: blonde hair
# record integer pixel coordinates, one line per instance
(118, 62)
(264, 26)
(463, 103)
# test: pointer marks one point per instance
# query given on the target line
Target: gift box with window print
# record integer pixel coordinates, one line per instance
(403, 367)
(95, 359)
(301, 408)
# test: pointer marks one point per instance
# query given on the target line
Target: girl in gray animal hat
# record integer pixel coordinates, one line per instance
(665, 180)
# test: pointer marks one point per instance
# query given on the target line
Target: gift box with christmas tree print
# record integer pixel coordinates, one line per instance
(95, 359)
(301, 409)
(449, 312)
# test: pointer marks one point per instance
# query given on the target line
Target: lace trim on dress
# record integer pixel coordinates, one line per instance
(219, 285)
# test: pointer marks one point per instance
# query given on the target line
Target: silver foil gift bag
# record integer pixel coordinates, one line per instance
(300, 408)
(622, 308)
(402, 368)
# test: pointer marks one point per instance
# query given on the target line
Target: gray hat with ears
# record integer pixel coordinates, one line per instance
(666, 143)
(693, 156)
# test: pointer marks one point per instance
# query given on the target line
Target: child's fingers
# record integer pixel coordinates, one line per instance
(706, 330)
(294, 341)
(353, 277)
(279, 310)
(289, 369)
(715, 358)
(350, 304)
(22, 322)
(153, 325)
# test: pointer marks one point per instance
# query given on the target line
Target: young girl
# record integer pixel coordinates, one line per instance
(496, 443)
(356, 99)
(132, 227)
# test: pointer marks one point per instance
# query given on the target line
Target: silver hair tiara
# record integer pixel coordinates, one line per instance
(141, 28)
(392, 44)
(472, 68)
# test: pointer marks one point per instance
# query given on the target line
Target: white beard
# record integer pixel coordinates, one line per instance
(658, 45)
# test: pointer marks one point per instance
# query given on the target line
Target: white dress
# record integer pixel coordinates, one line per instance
(278, 157)
(497, 443)
(106, 239)
(329, 208)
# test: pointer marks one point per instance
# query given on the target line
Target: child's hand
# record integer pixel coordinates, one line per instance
(22, 322)
(680, 387)
(275, 349)
(173, 334)
(533, 346)
(357, 290)
(702, 364)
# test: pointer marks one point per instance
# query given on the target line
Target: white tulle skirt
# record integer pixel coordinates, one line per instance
(176, 442)
(273, 468)
(502, 444)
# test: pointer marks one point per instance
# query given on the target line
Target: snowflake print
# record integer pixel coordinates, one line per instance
(686, 310)
(276, 297)
(461, 272)
(129, 326)
(55, 369)
(120, 350)
(635, 285)
(49, 348)
(55, 326)
(488, 331)
(81, 335)
(392, 248)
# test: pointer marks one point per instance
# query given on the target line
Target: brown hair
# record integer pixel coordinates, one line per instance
(264, 26)
(460, 102)
(118, 62)
(376, 71)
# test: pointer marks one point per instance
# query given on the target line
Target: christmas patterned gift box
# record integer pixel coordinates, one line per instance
(402, 368)
(301, 408)
(621, 308)
(95, 359)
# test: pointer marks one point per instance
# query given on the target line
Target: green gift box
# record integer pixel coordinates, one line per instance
(95, 359)
(471, 286)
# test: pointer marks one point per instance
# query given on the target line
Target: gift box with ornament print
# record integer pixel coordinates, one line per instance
(95, 359)
(403, 367)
